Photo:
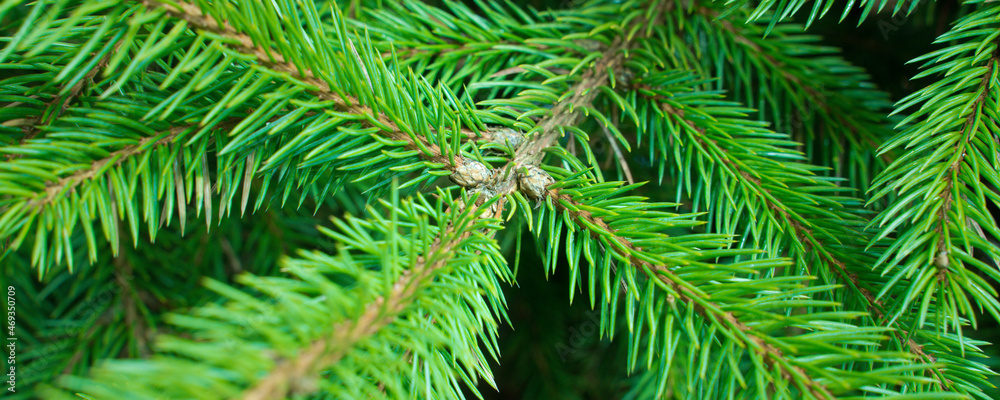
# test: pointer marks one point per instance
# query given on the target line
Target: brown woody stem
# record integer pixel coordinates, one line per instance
(328, 350)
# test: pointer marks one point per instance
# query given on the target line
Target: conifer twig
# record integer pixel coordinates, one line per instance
(858, 133)
(772, 356)
(63, 101)
(970, 124)
(273, 60)
(564, 113)
(115, 158)
(328, 350)
(618, 155)
(799, 226)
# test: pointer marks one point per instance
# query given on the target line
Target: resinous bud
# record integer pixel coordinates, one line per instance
(505, 136)
(471, 173)
(533, 181)
(484, 195)
(590, 44)
(624, 78)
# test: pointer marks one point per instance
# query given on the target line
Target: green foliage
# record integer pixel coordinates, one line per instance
(330, 304)
(946, 237)
(809, 251)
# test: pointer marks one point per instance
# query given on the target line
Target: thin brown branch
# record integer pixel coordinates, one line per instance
(275, 61)
(63, 100)
(772, 356)
(115, 158)
(857, 129)
(622, 162)
(278, 384)
(235, 266)
(801, 228)
(127, 294)
(971, 121)
(564, 113)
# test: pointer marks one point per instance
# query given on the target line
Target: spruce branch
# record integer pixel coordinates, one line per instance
(737, 155)
(820, 243)
(941, 261)
(99, 167)
(607, 228)
(529, 154)
(685, 293)
(273, 60)
(622, 161)
(936, 252)
(813, 94)
(329, 349)
(62, 100)
(450, 263)
(287, 115)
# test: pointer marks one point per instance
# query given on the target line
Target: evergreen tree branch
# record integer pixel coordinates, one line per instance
(936, 249)
(435, 299)
(321, 88)
(944, 215)
(827, 108)
(364, 160)
(330, 349)
(606, 228)
(685, 293)
(826, 242)
(528, 155)
(737, 153)
(88, 322)
(99, 167)
(62, 100)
